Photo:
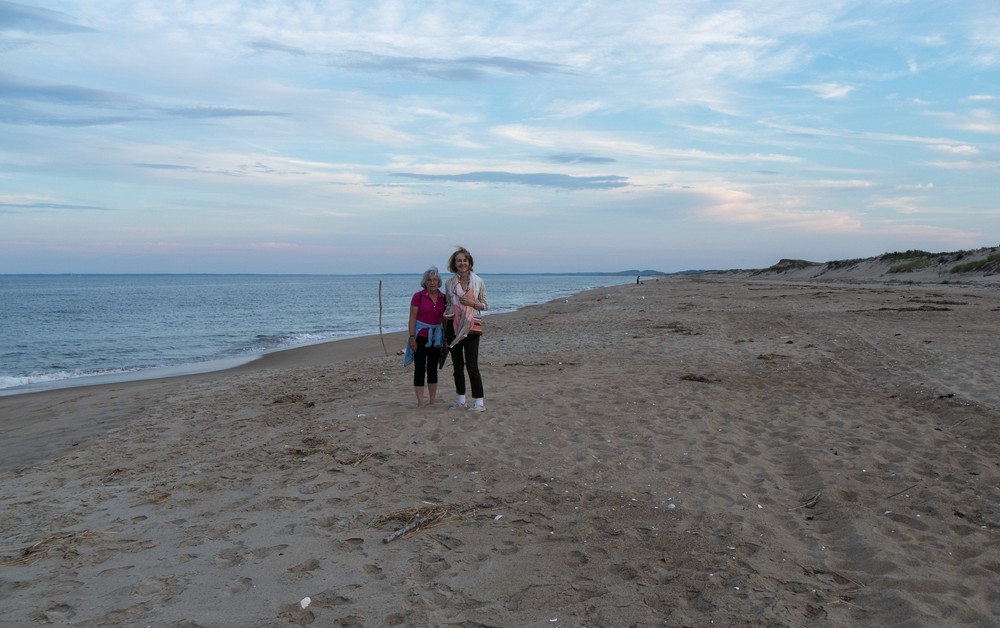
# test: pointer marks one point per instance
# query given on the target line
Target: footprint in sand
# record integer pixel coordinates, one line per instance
(576, 559)
(228, 558)
(310, 565)
(352, 544)
(507, 548)
(58, 613)
(240, 585)
(374, 571)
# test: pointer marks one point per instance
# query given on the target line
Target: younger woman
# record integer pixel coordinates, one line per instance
(466, 294)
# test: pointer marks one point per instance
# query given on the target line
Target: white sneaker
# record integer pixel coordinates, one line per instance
(478, 408)
(458, 405)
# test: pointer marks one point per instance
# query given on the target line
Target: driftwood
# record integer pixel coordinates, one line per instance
(808, 502)
(64, 541)
(426, 517)
(902, 491)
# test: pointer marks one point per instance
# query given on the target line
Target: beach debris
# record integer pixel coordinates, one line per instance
(112, 474)
(809, 502)
(678, 328)
(289, 398)
(352, 458)
(540, 364)
(691, 377)
(897, 493)
(360, 457)
(65, 542)
(304, 602)
(425, 517)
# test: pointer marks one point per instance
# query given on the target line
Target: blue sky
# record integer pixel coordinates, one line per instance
(371, 136)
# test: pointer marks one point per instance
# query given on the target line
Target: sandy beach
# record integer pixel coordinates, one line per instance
(689, 451)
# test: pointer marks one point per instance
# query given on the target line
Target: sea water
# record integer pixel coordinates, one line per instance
(58, 330)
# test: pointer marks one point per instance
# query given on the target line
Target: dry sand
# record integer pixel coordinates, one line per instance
(686, 452)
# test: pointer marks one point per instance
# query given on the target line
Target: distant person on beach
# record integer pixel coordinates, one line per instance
(426, 340)
(466, 296)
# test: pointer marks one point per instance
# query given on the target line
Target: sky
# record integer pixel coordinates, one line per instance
(371, 136)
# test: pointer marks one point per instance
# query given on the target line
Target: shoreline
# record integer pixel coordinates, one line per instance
(27, 376)
(189, 369)
(691, 451)
(20, 425)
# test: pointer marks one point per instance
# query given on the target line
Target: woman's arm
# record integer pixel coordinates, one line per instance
(412, 325)
(481, 296)
(449, 306)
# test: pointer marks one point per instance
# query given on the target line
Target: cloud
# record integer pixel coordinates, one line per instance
(176, 167)
(930, 41)
(841, 184)
(18, 17)
(981, 121)
(217, 112)
(579, 158)
(565, 109)
(740, 207)
(14, 88)
(458, 69)
(609, 142)
(237, 170)
(37, 206)
(815, 133)
(125, 108)
(902, 204)
(266, 45)
(955, 149)
(966, 165)
(541, 179)
(976, 120)
(15, 115)
(830, 91)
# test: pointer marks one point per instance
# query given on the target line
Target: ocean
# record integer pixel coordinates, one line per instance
(65, 330)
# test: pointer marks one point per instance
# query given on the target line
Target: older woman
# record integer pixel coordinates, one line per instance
(466, 294)
(425, 341)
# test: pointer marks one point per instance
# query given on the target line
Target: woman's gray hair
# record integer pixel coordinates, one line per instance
(430, 272)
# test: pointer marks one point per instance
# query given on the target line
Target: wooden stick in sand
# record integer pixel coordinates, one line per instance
(384, 350)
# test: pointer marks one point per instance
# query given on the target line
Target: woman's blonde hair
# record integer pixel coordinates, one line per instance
(451, 260)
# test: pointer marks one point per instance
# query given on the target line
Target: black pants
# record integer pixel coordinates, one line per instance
(425, 361)
(465, 356)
